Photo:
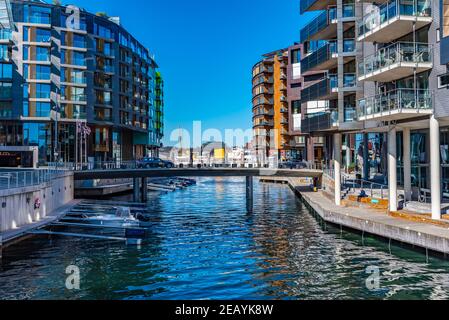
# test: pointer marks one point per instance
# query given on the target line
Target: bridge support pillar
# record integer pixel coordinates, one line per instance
(136, 191)
(249, 194)
(144, 190)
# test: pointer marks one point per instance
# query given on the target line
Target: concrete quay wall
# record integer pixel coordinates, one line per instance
(18, 206)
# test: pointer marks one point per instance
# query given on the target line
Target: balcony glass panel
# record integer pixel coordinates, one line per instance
(318, 24)
(348, 11)
(5, 34)
(396, 100)
(350, 114)
(396, 53)
(349, 80)
(320, 56)
(391, 9)
(348, 45)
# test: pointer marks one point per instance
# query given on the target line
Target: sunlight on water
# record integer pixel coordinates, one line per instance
(204, 245)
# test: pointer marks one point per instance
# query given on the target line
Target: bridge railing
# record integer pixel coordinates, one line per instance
(27, 178)
(120, 165)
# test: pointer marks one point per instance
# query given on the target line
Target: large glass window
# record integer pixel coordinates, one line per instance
(4, 52)
(33, 34)
(5, 71)
(5, 90)
(102, 31)
(36, 53)
(42, 90)
(5, 109)
(37, 14)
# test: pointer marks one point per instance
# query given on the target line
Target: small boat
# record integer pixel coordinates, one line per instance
(122, 218)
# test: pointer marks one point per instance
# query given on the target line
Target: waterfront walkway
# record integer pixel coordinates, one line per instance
(10, 236)
(424, 234)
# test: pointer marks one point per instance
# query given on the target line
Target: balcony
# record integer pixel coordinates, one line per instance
(324, 27)
(318, 122)
(263, 124)
(319, 91)
(396, 61)
(313, 5)
(394, 19)
(396, 105)
(263, 113)
(326, 57)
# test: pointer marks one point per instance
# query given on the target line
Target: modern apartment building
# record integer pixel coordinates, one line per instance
(387, 81)
(304, 146)
(270, 107)
(157, 125)
(61, 66)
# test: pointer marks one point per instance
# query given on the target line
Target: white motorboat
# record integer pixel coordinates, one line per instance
(122, 218)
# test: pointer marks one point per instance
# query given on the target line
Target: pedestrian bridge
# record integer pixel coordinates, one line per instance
(196, 172)
(140, 176)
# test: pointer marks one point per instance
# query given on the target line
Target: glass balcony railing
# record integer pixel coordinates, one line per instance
(318, 57)
(319, 121)
(392, 9)
(407, 52)
(318, 24)
(350, 114)
(348, 45)
(349, 80)
(349, 10)
(396, 100)
(5, 34)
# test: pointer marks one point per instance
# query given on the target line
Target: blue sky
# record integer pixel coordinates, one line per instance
(205, 50)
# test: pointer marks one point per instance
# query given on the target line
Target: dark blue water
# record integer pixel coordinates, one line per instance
(204, 245)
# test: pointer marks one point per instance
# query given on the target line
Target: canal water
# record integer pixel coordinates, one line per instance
(204, 245)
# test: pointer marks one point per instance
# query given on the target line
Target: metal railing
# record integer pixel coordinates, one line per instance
(123, 165)
(371, 189)
(407, 52)
(396, 100)
(392, 9)
(27, 178)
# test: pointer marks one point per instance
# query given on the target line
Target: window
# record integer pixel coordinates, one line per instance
(445, 22)
(37, 14)
(443, 81)
(43, 72)
(73, 58)
(5, 90)
(42, 91)
(5, 109)
(4, 52)
(36, 72)
(36, 53)
(42, 109)
(102, 31)
(296, 56)
(5, 71)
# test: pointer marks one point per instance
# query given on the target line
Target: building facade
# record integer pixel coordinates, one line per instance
(387, 87)
(270, 107)
(63, 69)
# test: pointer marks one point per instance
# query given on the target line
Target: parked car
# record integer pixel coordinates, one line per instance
(293, 164)
(148, 163)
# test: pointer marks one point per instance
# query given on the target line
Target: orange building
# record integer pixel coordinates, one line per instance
(270, 107)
